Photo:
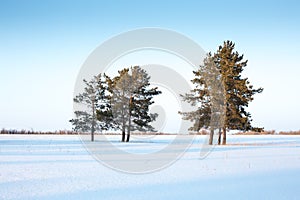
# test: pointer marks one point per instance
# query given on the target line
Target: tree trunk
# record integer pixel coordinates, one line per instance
(211, 137)
(123, 135)
(128, 136)
(219, 139)
(128, 130)
(123, 126)
(92, 135)
(224, 136)
(129, 119)
(93, 119)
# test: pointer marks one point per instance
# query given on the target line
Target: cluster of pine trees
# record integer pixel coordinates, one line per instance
(220, 95)
(119, 103)
(220, 87)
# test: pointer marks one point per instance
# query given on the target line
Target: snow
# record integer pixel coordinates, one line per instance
(59, 167)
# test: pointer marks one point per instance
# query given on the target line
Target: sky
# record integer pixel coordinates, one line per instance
(43, 45)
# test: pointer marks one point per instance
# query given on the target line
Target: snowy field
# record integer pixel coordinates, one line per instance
(59, 167)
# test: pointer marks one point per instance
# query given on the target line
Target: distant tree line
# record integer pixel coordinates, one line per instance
(30, 132)
(67, 132)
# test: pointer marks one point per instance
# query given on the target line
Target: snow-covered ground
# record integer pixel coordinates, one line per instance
(59, 167)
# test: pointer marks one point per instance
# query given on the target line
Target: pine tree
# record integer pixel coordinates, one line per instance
(239, 91)
(233, 96)
(92, 101)
(208, 97)
(130, 101)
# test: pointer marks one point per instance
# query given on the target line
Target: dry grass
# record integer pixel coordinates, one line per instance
(27, 132)
(270, 132)
(289, 133)
(67, 132)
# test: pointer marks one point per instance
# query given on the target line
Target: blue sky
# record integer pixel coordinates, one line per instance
(44, 43)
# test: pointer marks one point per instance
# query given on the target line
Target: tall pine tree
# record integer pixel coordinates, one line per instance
(130, 101)
(239, 91)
